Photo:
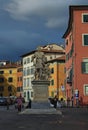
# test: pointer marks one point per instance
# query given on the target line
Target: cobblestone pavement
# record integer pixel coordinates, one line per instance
(70, 119)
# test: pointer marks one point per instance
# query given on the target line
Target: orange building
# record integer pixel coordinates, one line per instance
(76, 39)
(19, 80)
(57, 77)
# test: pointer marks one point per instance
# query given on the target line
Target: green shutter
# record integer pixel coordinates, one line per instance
(83, 67)
(85, 18)
(85, 39)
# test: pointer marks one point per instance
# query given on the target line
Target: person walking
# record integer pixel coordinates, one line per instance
(8, 102)
(29, 104)
(55, 101)
(19, 103)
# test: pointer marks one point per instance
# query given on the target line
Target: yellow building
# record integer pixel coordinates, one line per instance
(57, 78)
(8, 80)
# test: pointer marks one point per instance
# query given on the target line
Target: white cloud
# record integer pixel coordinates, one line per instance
(52, 11)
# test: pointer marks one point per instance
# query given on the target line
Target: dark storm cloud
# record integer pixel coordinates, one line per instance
(26, 24)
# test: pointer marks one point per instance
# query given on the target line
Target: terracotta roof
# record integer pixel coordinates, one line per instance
(62, 58)
(53, 51)
(46, 51)
(8, 66)
(71, 9)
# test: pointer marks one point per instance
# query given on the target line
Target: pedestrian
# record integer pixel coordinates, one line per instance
(19, 103)
(8, 103)
(29, 104)
(72, 100)
(55, 101)
(68, 102)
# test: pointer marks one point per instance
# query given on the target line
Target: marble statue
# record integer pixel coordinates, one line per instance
(42, 71)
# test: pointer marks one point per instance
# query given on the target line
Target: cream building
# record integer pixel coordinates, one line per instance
(51, 51)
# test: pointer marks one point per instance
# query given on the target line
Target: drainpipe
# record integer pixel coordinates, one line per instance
(57, 80)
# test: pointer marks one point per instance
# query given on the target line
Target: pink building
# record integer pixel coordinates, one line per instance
(76, 39)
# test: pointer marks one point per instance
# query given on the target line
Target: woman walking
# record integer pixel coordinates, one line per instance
(19, 104)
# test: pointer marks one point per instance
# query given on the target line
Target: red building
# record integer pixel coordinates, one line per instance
(76, 39)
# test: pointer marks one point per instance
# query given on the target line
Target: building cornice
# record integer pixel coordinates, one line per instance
(71, 9)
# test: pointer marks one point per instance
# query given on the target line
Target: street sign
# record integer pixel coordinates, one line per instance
(62, 88)
(76, 93)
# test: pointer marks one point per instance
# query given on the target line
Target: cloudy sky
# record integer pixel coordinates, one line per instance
(26, 24)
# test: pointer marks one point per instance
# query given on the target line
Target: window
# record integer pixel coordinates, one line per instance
(19, 89)
(85, 66)
(32, 70)
(86, 89)
(24, 83)
(10, 71)
(66, 42)
(84, 18)
(24, 72)
(10, 79)
(28, 81)
(70, 37)
(28, 71)
(52, 70)
(1, 88)
(24, 61)
(20, 78)
(28, 60)
(24, 94)
(10, 88)
(52, 82)
(1, 80)
(31, 94)
(50, 57)
(85, 39)
(52, 94)
(1, 72)
(20, 70)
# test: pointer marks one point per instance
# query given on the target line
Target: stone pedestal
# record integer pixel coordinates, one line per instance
(40, 89)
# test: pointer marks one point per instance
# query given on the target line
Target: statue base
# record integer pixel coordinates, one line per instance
(40, 89)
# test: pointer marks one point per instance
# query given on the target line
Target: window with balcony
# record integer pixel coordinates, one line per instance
(85, 66)
(84, 18)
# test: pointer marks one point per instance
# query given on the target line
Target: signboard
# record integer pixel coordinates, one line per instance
(76, 93)
(62, 88)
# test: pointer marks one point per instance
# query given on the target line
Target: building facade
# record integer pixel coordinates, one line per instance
(57, 78)
(76, 39)
(8, 79)
(19, 80)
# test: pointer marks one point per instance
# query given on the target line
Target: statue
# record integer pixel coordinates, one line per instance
(42, 71)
